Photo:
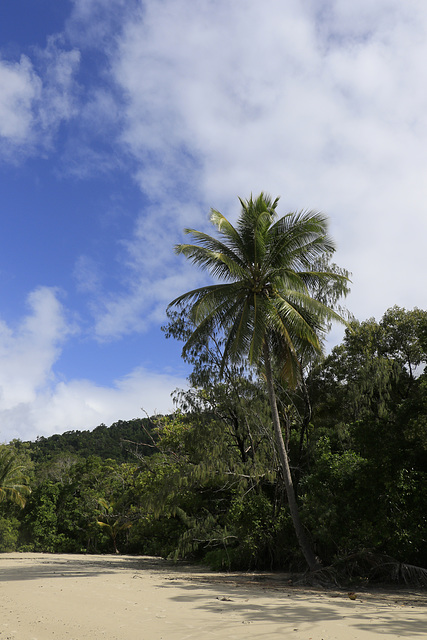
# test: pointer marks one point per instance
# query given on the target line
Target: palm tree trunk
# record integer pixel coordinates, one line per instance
(304, 543)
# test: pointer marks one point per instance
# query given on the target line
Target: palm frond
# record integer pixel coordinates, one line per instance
(226, 229)
(315, 311)
(193, 296)
(287, 361)
(324, 280)
(261, 322)
(239, 331)
(214, 257)
(253, 225)
(296, 240)
(368, 567)
(291, 316)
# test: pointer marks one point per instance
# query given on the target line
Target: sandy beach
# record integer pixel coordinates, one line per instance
(82, 597)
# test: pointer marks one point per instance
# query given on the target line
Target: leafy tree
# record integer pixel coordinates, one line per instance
(41, 520)
(229, 393)
(403, 337)
(9, 532)
(62, 512)
(368, 445)
(265, 304)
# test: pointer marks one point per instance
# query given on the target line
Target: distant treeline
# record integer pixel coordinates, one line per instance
(119, 441)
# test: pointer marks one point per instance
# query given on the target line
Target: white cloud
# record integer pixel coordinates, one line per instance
(93, 23)
(28, 352)
(34, 400)
(20, 88)
(36, 97)
(323, 104)
(82, 404)
(58, 100)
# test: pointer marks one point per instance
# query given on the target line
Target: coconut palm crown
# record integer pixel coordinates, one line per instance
(265, 265)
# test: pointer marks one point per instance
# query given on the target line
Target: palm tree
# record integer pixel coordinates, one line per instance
(12, 481)
(264, 302)
(117, 522)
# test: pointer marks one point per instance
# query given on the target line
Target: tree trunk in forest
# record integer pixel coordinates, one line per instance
(304, 543)
(306, 417)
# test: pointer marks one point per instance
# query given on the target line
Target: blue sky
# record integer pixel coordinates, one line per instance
(122, 122)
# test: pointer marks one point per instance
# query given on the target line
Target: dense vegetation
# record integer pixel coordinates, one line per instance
(215, 480)
(207, 486)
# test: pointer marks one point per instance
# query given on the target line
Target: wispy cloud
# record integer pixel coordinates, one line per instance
(36, 97)
(59, 93)
(20, 88)
(325, 108)
(149, 277)
(28, 351)
(93, 24)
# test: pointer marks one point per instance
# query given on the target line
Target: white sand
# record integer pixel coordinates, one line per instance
(86, 597)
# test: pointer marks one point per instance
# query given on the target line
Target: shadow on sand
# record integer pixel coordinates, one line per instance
(374, 611)
(386, 612)
(28, 566)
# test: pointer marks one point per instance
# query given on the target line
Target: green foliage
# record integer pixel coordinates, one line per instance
(228, 400)
(9, 532)
(264, 533)
(40, 523)
(334, 499)
(62, 515)
(369, 406)
(204, 486)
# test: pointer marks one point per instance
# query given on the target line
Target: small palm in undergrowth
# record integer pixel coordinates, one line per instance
(115, 523)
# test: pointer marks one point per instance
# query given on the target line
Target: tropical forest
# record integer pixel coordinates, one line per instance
(282, 454)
